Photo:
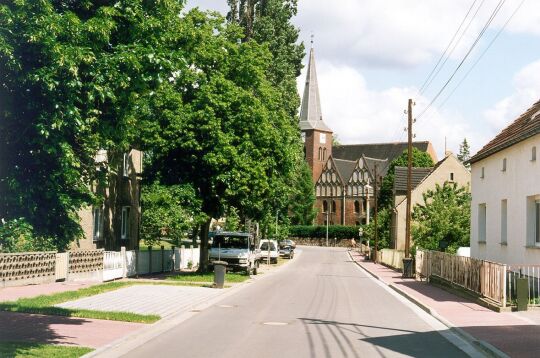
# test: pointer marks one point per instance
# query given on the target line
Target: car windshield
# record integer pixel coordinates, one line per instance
(264, 246)
(230, 242)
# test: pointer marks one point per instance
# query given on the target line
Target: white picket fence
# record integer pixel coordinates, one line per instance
(131, 263)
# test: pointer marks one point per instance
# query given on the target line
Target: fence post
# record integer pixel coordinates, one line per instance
(149, 259)
(162, 258)
(182, 257)
(503, 285)
(173, 258)
(124, 261)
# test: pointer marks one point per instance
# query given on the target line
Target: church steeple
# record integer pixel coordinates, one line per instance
(315, 133)
(310, 112)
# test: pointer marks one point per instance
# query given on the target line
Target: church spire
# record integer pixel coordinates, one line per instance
(310, 112)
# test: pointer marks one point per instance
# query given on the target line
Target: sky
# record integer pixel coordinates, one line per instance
(373, 55)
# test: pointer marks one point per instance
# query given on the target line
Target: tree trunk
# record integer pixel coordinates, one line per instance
(203, 258)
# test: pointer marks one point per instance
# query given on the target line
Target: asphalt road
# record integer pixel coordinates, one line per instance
(319, 305)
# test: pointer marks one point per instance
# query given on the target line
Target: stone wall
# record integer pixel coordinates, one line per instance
(27, 268)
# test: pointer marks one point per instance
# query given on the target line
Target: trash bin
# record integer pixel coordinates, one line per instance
(408, 269)
(220, 268)
(522, 288)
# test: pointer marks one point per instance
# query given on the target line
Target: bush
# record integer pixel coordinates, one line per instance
(17, 235)
(319, 232)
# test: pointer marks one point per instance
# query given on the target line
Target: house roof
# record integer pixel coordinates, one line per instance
(345, 168)
(525, 126)
(388, 151)
(417, 176)
(310, 111)
(382, 165)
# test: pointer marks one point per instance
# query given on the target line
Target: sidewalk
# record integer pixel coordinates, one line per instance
(517, 335)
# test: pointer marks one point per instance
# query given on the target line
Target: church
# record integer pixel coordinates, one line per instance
(343, 175)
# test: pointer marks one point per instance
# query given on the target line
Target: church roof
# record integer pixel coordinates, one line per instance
(310, 112)
(388, 151)
(525, 126)
(382, 165)
(345, 168)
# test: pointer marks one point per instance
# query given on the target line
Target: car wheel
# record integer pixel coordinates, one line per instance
(291, 255)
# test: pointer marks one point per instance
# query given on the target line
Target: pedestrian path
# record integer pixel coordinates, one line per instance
(146, 299)
(514, 334)
(14, 293)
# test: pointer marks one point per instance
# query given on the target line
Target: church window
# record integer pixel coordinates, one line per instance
(324, 206)
(356, 206)
(324, 154)
(318, 190)
(364, 201)
(320, 153)
(322, 138)
(349, 190)
(355, 176)
(338, 191)
(333, 206)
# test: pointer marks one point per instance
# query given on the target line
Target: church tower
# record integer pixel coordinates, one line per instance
(316, 135)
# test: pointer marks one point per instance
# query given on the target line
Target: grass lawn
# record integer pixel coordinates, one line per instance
(207, 277)
(45, 304)
(16, 349)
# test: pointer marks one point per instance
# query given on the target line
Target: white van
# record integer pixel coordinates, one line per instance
(269, 249)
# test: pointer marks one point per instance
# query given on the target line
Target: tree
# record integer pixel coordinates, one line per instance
(224, 129)
(419, 159)
(443, 221)
(464, 152)
(73, 78)
(303, 199)
(169, 212)
(384, 223)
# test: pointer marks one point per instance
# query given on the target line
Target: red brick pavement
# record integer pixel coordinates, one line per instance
(511, 333)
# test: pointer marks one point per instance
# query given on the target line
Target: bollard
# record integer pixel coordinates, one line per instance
(522, 288)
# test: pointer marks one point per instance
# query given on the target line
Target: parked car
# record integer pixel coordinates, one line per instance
(286, 251)
(287, 242)
(269, 249)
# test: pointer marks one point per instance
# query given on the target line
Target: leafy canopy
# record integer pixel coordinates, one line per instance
(443, 221)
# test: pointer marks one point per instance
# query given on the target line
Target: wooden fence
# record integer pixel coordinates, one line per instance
(485, 278)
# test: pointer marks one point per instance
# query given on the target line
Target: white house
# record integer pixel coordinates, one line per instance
(505, 208)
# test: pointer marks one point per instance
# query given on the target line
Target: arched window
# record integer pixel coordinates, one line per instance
(333, 206)
(324, 154)
(364, 205)
(325, 206)
(318, 190)
(320, 153)
(356, 206)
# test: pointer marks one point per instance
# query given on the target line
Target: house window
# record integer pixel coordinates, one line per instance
(97, 214)
(533, 154)
(324, 206)
(451, 176)
(504, 165)
(482, 223)
(482, 173)
(125, 165)
(124, 232)
(322, 138)
(504, 221)
(356, 206)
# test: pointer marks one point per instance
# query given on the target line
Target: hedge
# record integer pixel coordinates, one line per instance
(334, 231)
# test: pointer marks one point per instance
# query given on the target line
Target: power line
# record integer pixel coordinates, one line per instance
(429, 79)
(492, 16)
(483, 53)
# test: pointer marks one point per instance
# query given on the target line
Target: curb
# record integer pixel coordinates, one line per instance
(124, 345)
(483, 346)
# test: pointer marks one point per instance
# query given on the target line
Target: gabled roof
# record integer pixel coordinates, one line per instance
(310, 112)
(525, 126)
(417, 176)
(388, 151)
(382, 166)
(345, 168)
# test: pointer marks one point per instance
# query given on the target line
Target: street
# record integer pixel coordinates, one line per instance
(319, 305)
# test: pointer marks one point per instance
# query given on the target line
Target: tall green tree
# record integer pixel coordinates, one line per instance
(302, 201)
(419, 159)
(442, 222)
(464, 152)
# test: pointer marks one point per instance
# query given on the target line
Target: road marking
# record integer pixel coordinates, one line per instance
(275, 323)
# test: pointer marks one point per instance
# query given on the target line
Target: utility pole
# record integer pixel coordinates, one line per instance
(407, 261)
(376, 212)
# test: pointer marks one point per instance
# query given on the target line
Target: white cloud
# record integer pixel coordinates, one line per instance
(358, 114)
(526, 91)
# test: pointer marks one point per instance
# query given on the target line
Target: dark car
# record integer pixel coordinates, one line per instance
(286, 250)
(287, 242)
